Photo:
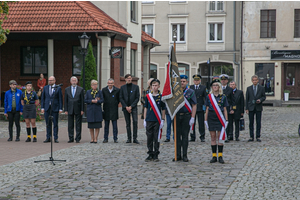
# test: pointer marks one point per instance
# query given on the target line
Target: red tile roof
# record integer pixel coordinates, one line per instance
(148, 38)
(60, 16)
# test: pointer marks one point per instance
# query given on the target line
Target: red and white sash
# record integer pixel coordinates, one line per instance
(189, 108)
(156, 112)
(220, 116)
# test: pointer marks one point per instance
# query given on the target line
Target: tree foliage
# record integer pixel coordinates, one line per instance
(90, 69)
(3, 16)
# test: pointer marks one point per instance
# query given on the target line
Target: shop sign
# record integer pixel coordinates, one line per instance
(116, 52)
(285, 55)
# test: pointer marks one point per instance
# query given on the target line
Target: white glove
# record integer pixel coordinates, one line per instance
(161, 124)
(192, 121)
(206, 124)
(145, 124)
(226, 124)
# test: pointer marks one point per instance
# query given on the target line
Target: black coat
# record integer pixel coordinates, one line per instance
(251, 99)
(111, 103)
(134, 96)
(74, 105)
(228, 91)
(239, 103)
(93, 110)
(200, 96)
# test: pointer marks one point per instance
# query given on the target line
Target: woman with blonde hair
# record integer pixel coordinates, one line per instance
(93, 99)
(216, 103)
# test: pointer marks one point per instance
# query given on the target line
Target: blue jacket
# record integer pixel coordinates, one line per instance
(8, 101)
(55, 98)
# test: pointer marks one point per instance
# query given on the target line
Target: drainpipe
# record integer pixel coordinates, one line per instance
(96, 34)
(241, 48)
(234, 43)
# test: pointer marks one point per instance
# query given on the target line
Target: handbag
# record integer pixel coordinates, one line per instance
(242, 124)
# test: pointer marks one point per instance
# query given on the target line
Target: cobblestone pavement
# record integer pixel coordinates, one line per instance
(252, 170)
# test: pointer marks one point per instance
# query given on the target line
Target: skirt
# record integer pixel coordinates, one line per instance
(213, 121)
(94, 124)
(29, 111)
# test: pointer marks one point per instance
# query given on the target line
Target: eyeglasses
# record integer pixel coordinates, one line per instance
(215, 85)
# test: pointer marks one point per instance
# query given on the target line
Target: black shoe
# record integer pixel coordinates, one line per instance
(213, 160)
(77, 141)
(221, 160)
(116, 141)
(56, 141)
(9, 140)
(47, 140)
(251, 140)
(128, 141)
(70, 141)
(230, 138)
(202, 140)
(92, 142)
(178, 159)
(136, 141)
(28, 139)
(142, 116)
(185, 159)
(105, 141)
(237, 139)
(227, 141)
(258, 140)
(167, 140)
(34, 139)
(17, 139)
(149, 158)
(191, 140)
(155, 158)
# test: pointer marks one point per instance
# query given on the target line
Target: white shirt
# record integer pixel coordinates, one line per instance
(223, 87)
(110, 90)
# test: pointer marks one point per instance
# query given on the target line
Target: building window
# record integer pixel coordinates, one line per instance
(147, 2)
(297, 23)
(133, 10)
(34, 60)
(177, 1)
(183, 69)
(216, 5)
(148, 28)
(153, 71)
(265, 73)
(180, 30)
(133, 63)
(78, 59)
(268, 23)
(216, 32)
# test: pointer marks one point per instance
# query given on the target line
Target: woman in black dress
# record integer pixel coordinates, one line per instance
(93, 99)
(29, 101)
(212, 121)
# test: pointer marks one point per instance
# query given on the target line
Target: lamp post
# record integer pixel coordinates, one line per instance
(84, 41)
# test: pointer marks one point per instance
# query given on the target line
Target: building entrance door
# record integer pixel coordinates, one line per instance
(292, 79)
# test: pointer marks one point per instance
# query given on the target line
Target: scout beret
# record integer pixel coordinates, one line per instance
(155, 80)
(28, 82)
(215, 81)
(183, 77)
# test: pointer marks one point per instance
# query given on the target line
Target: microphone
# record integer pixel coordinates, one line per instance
(59, 85)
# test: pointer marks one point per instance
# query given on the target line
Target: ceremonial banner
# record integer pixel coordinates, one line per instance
(172, 94)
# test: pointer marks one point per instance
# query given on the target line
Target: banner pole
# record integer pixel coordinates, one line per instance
(174, 121)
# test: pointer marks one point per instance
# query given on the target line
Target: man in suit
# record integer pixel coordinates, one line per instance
(51, 99)
(238, 96)
(200, 92)
(129, 97)
(229, 94)
(111, 95)
(74, 102)
(255, 96)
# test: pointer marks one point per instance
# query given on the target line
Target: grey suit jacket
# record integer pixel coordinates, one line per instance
(251, 99)
(74, 105)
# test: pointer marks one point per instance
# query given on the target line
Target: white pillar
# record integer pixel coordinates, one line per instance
(50, 57)
(146, 59)
(105, 62)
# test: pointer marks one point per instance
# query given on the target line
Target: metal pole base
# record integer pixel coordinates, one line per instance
(50, 160)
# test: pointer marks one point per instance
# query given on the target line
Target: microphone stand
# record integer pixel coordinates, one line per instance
(49, 125)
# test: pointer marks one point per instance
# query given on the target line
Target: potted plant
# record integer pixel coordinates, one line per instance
(286, 95)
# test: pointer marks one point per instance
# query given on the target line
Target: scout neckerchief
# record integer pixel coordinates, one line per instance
(26, 99)
(188, 107)
(94, 93)
(156, 111)
(220, 115)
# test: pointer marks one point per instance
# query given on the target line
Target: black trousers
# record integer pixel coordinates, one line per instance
(237, 128)
(258, 123)
(115, 129)
(182, 133)
(229, 129)
(200, 116)
(14, 116)
(152, 129)
(128, 123)
(78, 120)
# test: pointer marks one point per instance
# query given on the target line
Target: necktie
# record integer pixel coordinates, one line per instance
(255, 90)
(197, 87)
(73, 92)
(50, 91)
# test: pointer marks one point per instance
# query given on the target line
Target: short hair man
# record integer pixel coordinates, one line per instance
(13, 109)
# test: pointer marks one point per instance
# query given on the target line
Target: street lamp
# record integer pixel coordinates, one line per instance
(84, 41)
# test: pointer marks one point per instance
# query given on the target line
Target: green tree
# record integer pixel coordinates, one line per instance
(90, 69)
(3, 15)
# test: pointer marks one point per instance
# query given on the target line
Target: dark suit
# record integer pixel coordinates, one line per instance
(111, 110)
(255, 108)
(54, 102)
(228, 91)
(93, 110)
(130, 100)
(238, 96)
(200, 96)
(74, 106)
